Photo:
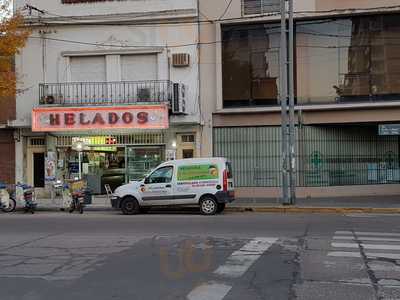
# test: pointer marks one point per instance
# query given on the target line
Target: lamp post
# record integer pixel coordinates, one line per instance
(79, 148)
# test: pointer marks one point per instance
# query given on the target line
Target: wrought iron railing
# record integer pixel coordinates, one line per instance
(104, 93)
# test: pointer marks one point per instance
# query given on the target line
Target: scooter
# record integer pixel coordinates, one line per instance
(7, 203)
(26, 195)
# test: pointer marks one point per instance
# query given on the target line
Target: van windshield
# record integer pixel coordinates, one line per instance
(229, 169)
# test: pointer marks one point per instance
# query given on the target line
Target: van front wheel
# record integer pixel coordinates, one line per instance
(130, 206)
(208, 206)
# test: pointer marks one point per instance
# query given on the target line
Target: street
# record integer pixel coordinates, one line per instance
(171, 255)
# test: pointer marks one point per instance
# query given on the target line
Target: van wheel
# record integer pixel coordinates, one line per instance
(220, 208)
(130, 206)
(208, 206)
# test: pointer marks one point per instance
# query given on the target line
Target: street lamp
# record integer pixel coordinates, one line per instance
(78, 146)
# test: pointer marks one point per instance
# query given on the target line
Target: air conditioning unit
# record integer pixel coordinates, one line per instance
(144, 95)
(48, 99)
(180, 60)
(178, 105)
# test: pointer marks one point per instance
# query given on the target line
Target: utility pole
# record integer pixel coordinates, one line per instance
(292, 128)
(287, 104)
(283, 78)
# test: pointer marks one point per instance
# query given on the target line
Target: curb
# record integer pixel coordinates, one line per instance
(331, 210)
(267, 209)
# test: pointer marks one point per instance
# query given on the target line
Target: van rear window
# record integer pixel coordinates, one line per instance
(229, 169)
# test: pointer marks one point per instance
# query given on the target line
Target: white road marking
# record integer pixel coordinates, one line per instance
(377, 239)
(366, 246)
(210, 291)
(368, 254)
(368, 233)
(344, 254)
(241, 260)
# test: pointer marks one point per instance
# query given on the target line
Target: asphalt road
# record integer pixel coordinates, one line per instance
(104, 255)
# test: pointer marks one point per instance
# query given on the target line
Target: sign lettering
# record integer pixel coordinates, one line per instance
(84, 118)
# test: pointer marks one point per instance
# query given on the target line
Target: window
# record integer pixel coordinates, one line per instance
(256, 7)
(187, 138)
(162, 175)
(187, 153)
(88, 69)
(361, 54)
(139, 67)
(250, 65)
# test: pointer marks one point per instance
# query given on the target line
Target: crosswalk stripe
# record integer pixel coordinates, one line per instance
(211, 291)
(377, 239)
(368, 233)
(368, 254)
(241, 260)
(366, 246)
(344, 254)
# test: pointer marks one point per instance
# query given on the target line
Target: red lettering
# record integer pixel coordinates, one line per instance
(82, 119)
(69, 119)
(143, 117)
(127, 118)
(112, 118)
(98, 119)
(54, 119)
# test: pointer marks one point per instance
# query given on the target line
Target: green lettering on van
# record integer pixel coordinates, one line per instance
(198, 172)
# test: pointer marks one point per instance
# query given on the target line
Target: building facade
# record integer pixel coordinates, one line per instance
(118, 77)
(347, 85)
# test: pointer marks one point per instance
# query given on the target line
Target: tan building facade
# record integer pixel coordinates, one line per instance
(347, 85)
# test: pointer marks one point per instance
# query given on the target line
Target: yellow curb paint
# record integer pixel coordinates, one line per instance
(340, 210)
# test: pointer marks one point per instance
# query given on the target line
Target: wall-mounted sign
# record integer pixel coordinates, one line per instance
(389, 129)
(49, 119)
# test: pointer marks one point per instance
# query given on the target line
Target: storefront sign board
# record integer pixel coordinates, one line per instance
(48, 119)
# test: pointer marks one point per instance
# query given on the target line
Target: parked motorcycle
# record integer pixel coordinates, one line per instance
(7, 203)
(26, 196)
(78, 201)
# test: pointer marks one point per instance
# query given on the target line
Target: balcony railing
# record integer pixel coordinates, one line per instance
(105, 93)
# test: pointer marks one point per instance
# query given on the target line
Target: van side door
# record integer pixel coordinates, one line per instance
(157, 188)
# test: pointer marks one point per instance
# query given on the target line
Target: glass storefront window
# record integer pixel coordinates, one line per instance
(141, 160)
(250, 65)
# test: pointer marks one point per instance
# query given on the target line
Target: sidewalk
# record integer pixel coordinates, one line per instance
(372, 204)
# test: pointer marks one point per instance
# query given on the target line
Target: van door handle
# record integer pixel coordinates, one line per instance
(168, 186)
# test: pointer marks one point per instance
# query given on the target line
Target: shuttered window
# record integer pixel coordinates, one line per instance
(139, 67)
(88, 69)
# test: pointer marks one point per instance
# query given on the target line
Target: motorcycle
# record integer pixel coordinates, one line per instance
(78, 202)
(26, 195)
(7, 203)
(74, 194)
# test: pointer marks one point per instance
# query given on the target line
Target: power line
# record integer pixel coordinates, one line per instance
(153, 23)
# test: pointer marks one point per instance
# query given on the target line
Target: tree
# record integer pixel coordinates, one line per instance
(13, 35)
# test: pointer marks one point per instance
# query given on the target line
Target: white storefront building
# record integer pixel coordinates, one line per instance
(119, 76)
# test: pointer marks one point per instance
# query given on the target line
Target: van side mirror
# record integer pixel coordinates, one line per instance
(146, 180)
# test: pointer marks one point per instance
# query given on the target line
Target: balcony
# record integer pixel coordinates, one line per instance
(106, 93)
(114, 93)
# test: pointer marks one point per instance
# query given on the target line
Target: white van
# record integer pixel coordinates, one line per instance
(206, 182)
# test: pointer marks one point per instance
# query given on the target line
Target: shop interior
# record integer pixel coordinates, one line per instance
(110, 165)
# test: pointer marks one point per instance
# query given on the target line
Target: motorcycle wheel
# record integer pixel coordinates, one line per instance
(72, 208)
(11, 207)
(81, 209)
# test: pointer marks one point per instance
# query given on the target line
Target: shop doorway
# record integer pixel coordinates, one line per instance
(38, 170)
